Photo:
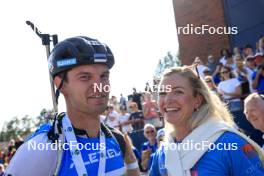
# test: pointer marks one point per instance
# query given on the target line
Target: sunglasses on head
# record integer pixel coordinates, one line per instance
(208, 81)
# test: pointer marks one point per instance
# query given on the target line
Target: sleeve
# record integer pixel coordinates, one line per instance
(243, 160)
(32, 159)
(154, 168)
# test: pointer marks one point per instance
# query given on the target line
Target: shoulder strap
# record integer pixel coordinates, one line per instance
(117, 135)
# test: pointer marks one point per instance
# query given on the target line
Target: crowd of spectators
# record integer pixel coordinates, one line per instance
(8, 152)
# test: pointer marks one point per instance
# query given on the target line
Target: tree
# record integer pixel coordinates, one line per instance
(25, 125)
(168, 61)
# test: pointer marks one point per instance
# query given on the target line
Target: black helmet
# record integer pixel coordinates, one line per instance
(77, 51)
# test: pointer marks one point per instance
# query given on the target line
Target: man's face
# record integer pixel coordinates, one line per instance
(248, 51)
(82, 89)
(254, 114)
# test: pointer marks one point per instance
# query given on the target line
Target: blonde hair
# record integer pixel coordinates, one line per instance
(148, 125)
(211, 108)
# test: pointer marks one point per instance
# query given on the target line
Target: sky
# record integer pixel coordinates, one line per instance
(139, 33)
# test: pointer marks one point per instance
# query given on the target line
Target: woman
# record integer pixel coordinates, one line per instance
(211, 84)
(230, 89)
(150, 111)
(196, 116)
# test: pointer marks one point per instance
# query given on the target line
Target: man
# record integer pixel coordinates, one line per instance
(136, 117)
(136, 97)
(85, 146)
(254, 111)
(251, 68)
(122, 102)
(248, 50)
(213, 65)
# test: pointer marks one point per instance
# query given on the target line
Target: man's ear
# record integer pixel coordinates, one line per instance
(57, 81)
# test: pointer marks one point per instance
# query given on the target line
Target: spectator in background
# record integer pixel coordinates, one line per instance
(2, 170)
(125, 126)
(155, 88)
(150, 111)
(148, 88)
(2, 156)
(207, 72)
(18, 142)
(261, 45)
(113, 102)
(250, 67)
(212, 64)
(210, 83)
(224, 54)
(259, 59)
(200, 66)
(160, 136)
(248, 50)
(254, 110)
(258, 79)
(112, 117)
(136, 97)
(230, 90)
(122, 102)
(242, 75)
(230, 62)
(150, 146)
(136, 117)
(11, 148)
(236, 51)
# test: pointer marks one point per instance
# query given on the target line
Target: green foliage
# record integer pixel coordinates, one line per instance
(24, 126)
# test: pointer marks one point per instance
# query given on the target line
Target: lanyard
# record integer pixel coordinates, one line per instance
(76, 154)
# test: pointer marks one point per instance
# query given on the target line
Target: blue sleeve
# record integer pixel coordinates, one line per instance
(244, 160)
(137, 154)
(154, 168)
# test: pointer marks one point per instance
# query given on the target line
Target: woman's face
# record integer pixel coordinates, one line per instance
(210, 84)
(225, 73)
(178, 105)
(150, 133)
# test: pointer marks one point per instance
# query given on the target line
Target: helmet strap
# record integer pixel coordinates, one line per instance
(57, 93)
